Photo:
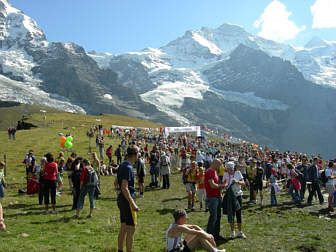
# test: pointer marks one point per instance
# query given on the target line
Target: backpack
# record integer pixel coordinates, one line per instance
(92, 178)
(324, 178)
(117, 152)
(164, 161)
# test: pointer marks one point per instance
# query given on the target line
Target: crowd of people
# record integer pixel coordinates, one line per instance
(217, 171)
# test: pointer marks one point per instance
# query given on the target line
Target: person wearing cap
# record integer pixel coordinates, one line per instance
(196, 237)
(126, 203)
(233, 179)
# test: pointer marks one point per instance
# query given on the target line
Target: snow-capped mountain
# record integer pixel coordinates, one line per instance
(207, 64)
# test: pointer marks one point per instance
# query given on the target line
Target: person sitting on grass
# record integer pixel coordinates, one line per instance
(196, 237)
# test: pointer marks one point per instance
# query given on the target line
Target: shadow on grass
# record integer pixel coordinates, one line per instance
(63, 219)
(107, 199)
(173, 199)
(18, 206)
(323, 211)
(165, 211)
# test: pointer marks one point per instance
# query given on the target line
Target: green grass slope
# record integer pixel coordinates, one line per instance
(282, 228)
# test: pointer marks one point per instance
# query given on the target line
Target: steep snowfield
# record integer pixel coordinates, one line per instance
(21, 92)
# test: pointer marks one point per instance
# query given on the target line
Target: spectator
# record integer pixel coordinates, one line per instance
(13, 133)
(196, 237)
(50, 173)
(165, 169)
(201, 187)
(109, 152)
(9, 133)
(40, 176)
(233, 180)
(75, 178)
(30, 163)
(117, 153)
(314, 177)
(88, 182)
(126, 203)
(330, 185)
(141, 173)
(214, 199)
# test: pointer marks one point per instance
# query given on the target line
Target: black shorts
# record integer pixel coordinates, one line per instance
(258, 186)
(141, 179)
(125, 211)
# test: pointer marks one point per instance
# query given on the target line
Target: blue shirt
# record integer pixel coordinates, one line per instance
(126, 172)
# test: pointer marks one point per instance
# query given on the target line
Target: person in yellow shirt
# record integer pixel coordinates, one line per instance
(221, 171)
(191, 174)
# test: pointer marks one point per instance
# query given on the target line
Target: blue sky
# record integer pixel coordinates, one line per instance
(118, 26)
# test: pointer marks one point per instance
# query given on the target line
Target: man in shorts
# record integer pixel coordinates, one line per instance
(196, 237)
(125, 200)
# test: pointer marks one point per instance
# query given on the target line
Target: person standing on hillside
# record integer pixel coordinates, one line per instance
(314, 177)
(117, 153)
(88, 182)
(9, 133)
(330, 185)
(165, 169)
(141, 173)
(109, 153)
(30, 163)
(13, 133)
(126, 204)
(50, 179)
(214, 198)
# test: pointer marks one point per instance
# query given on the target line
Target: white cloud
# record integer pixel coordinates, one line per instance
(324, 14)
(275, 23)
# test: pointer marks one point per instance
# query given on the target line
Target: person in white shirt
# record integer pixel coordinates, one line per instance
(330, 173)
(235, 179)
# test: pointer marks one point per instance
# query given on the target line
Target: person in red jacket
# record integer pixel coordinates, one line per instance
(50, 179)
(109, 153)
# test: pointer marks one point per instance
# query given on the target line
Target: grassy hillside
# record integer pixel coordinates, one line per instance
(282, 228)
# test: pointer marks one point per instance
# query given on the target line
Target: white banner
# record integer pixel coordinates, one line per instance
(170, 130)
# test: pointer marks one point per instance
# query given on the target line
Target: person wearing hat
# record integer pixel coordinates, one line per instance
(126, 203)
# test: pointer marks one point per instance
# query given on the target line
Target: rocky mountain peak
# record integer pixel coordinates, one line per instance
(316, 42)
